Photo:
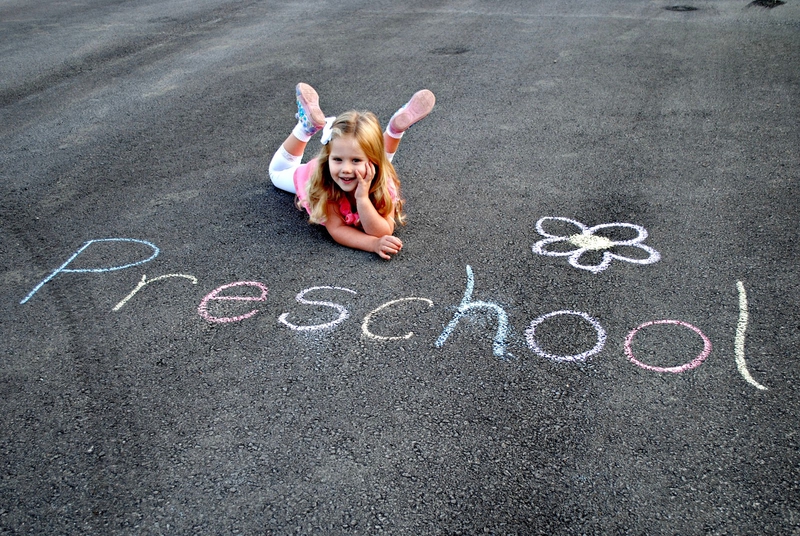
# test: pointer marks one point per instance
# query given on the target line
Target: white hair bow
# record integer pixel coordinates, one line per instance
(327, 130)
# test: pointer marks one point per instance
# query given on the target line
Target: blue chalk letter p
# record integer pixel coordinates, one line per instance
(63, 268)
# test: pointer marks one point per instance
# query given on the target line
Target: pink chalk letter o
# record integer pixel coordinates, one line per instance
(675, 370)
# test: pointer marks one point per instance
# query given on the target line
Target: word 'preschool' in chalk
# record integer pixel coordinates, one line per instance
(466, 307)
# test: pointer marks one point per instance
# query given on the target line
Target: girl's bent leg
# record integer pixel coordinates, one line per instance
(294, 145)
(390, 145)
(282, 168)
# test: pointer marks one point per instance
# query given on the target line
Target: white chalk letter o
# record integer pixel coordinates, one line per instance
(530, 335)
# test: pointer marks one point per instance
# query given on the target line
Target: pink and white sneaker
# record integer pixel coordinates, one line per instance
(308, 110)
(418, 107)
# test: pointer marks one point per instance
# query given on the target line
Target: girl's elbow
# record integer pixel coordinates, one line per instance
(335, 234)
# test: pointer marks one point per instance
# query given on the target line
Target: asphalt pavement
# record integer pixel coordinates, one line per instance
(592, 327)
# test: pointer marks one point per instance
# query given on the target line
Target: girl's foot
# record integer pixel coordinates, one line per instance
(309, 113)
(419, 106)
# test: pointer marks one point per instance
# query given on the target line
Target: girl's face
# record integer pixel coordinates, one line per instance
(347, 158)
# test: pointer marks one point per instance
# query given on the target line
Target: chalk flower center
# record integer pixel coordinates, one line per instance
(590, 242)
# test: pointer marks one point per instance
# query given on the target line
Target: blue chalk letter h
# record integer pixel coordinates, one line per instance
(467, 306)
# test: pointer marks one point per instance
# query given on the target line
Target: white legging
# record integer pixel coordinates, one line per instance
(282, 168)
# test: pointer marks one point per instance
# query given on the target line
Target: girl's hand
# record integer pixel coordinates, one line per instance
(365, 177)
(387, 246)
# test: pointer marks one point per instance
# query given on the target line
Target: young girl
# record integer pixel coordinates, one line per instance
(351, 187)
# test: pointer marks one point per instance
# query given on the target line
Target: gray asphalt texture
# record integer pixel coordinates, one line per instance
(155, 121)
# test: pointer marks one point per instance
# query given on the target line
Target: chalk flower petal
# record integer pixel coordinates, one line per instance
(575, 260)
(652, 255)
(542, 246)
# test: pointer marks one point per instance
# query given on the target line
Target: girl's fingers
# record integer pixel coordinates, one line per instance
(394, 249)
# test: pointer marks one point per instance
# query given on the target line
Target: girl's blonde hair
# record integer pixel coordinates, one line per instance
(366, 129)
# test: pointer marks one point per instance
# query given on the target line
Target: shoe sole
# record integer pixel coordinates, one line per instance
(419, 106)
(310, 101)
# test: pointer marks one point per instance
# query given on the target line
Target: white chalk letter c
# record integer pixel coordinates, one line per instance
(365, 324)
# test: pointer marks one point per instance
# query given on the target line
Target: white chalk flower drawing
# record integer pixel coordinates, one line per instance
(588, 240)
